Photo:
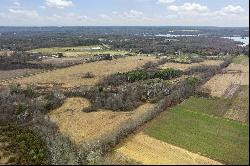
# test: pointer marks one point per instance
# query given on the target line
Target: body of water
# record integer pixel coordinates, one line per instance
(244, 40)
(170, 35)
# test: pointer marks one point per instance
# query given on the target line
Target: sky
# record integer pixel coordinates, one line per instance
(223, 13)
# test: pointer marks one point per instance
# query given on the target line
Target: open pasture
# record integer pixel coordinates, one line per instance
(81, 126)
(234, 74)
(73, 76)
(225, 140)
(78, 51)
(148, 150)
(181, 66)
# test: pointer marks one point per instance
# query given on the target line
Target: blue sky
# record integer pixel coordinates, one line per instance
(124, 12)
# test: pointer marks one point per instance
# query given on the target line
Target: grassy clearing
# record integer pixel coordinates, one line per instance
(212, 106)
(78, 51)
(233, 74)
(243, 59)
(72, 76)
(240, 106)
(215, 137)
(150, 151)
(81, 126)
(8, 74)
(26, 147)
(235, 108)
(65, 49)
(181, 66)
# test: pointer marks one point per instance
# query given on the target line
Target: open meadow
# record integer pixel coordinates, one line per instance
(78, 51)
(182, 132)
(236, 73)
(73, 76)
(220, 124)
(12, 74)
(187, 66)
(81, 126)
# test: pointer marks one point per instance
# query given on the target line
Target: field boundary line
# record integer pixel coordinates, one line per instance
(214, 116)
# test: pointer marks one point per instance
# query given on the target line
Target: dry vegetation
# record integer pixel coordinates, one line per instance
(81, 126)
(181, 66)
(148, 150)
(240, 106)
(234, 74)
(79, 51)
(72, 76)
(8, 74)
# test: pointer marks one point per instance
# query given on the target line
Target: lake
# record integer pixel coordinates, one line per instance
(244, 40)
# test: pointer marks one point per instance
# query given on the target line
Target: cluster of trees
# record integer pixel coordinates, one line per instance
(21, 60)
(137, 39)
(22, 105)
(28, 105)
(201, 45)
(137, 75)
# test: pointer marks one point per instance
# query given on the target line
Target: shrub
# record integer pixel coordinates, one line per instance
(88, 75)
(17, 89)
(149, 65)
(27, 146)
(138, 75)
(21, 108)
(192, 81)
(54, 100)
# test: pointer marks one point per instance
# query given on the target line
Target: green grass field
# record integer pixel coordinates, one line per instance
(212, 136)
(243, 59)
(211, 106)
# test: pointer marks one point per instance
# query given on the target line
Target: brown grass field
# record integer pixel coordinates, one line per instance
(186, 66)
(9, 74)
(240, 106)
(72, 76)
(81, 126)
(148, 150)
(233, 74)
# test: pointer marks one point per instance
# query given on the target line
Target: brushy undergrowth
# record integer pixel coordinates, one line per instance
(27, 147)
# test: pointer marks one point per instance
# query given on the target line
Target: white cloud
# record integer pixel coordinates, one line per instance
(104, 16)
(26, 13)
(17, 3)
(66, 19)
(233, 9)
(188, 8)
(226, 11)
(165, 1)
(60, 4)
(132, 14)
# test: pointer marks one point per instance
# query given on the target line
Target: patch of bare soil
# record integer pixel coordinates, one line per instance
(147, 150)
